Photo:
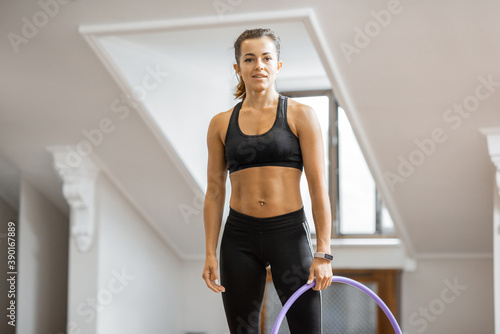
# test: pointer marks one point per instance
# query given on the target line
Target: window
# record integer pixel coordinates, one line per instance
(357, 208)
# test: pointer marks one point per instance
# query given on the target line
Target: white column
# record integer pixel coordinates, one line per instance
(78, 174)
(493, 139)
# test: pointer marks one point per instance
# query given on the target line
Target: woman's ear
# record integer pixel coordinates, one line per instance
(280, 64)
(237, 69)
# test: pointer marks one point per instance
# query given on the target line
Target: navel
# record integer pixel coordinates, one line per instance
(262, 202)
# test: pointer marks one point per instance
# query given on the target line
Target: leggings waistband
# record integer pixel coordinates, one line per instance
(239, 219)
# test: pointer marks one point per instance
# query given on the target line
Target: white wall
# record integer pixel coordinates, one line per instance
(42, 264)
(140, 282)
(203, 311)
(430, 305)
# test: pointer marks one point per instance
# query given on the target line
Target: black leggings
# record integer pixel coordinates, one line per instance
(249, 244)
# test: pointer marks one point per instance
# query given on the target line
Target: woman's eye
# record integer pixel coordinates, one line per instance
(248, 59)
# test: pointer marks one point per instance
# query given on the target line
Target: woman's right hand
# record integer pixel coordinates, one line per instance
(210, 274)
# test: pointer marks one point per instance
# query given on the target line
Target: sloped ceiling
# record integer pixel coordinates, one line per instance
(398, 87)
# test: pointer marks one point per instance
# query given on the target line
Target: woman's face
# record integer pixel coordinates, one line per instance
(259, 63)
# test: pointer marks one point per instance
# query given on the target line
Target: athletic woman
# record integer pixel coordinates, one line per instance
(265, 142)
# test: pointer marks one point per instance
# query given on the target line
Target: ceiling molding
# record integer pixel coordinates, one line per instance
(293, 15)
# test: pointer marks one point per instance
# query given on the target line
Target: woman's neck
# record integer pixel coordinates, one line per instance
(261, 100)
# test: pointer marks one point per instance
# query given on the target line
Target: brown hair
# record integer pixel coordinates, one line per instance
(251, 34)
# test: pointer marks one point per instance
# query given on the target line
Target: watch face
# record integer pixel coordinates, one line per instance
(328, 257)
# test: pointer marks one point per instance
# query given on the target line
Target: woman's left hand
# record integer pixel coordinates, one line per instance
(321, 270)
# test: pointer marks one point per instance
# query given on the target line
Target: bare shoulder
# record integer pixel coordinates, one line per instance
(299, 109)
(300, 115)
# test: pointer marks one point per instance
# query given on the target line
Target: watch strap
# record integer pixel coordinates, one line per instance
(322, 255)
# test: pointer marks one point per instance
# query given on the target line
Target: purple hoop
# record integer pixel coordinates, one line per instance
(339, 279)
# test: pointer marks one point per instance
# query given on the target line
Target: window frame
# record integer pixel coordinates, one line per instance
(333, 170)
(332, 158)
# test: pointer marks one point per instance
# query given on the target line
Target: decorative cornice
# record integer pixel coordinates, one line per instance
(493, 140)
(78, 173)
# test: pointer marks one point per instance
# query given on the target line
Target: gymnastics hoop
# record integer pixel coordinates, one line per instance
(339, 279)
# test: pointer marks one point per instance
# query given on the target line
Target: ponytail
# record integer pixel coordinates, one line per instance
(240, 89)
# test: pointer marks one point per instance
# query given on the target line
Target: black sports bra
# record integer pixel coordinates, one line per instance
(279, 146)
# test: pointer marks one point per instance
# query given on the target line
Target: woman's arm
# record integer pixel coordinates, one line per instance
(311, 145)
(214, 201)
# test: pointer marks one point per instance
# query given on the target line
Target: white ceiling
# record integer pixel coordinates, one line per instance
(396, 90)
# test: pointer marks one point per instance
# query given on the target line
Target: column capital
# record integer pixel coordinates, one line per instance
(78, 174)
(493, 141)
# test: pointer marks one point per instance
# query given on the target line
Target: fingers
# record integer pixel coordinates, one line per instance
(311, 276)
(215, 283)
(212, 281)
(323, 281)
(322, 271)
